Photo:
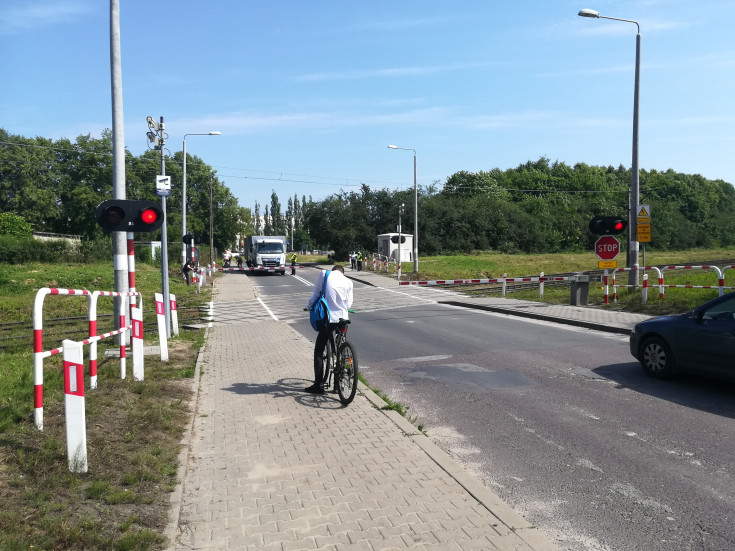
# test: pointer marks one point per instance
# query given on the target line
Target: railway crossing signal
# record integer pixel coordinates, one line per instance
(129, 215)
(607, 225)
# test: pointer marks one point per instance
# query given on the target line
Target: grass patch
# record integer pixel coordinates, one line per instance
(134, 428)
(490, 265)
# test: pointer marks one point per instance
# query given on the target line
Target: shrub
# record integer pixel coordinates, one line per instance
(14, 225)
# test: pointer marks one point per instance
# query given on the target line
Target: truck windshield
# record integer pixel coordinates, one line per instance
(270, 248)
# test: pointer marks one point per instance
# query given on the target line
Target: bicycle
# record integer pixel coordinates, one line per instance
(340, 362)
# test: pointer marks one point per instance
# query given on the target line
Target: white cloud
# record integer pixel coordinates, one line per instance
(26, 15)
(390, 72)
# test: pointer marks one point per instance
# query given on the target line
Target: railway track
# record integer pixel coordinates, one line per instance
(17, 335)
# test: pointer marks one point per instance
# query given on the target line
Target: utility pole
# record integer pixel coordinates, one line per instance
(119, 238)
(157, 136)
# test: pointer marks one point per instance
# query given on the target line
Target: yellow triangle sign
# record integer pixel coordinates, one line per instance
(643, 212)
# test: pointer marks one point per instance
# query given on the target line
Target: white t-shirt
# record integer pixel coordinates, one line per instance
(338, 295)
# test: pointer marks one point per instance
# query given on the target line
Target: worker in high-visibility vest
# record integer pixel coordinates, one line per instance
(293, 264)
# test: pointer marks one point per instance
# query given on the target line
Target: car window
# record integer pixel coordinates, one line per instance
(724, 310)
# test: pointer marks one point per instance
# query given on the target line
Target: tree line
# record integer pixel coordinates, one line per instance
(538, 206)
(55, 185)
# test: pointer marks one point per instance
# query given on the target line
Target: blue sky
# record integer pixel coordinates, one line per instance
(308, 94)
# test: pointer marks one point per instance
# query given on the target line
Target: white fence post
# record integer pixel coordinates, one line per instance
(174, 316)
(162, 334)
(76, 427)
(136, 343)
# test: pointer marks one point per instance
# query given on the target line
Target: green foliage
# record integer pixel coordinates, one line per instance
(14, 225)
(537, 207)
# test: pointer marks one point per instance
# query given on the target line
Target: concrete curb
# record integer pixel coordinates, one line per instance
(175, 499)
(533, 315)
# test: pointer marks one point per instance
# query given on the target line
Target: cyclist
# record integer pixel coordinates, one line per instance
(338, 293)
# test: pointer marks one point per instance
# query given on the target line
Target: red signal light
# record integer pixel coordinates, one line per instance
(619, 226)
(149, 216)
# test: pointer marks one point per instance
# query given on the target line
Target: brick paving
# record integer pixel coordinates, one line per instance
(270, 467)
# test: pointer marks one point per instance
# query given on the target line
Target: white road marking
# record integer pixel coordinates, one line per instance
(267, 309)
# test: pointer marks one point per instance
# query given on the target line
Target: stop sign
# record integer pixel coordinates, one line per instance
(607, 247)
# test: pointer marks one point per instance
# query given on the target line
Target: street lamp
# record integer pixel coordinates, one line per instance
(635, 181)
(183, 191)
(415, 210)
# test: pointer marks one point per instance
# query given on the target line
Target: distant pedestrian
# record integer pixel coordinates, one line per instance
(359, 261)
(186, 268)
(353, 260)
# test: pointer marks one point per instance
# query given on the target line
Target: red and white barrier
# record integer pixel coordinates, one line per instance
(38, 352)
(720, 278)
(76, 427)
(92, 313)
(162, 334)
(253, 269)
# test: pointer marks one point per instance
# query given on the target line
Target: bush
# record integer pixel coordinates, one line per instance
(14, 226)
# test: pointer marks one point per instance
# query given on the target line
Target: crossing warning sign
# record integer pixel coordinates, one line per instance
(643, 223)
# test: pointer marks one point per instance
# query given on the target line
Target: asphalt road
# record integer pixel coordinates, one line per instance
(560, 422)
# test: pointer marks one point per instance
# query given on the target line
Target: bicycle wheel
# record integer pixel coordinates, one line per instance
(327, 363)
(346, 373)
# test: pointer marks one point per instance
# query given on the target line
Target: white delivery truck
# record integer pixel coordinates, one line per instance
(266, 251)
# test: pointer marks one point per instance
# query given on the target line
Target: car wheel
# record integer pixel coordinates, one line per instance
(655, 357)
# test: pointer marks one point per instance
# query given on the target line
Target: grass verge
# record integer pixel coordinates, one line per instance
(134, 430)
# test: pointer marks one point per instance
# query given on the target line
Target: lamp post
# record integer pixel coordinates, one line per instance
(635, 181)
(415, 210)
(183, 191)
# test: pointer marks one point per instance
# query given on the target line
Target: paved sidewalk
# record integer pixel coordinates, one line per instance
(270, 467)
(601, 319)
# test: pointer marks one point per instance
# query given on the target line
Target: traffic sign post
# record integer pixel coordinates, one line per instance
(643, 227)
(607, 248)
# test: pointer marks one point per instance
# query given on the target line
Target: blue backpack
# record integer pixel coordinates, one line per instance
(319, 311)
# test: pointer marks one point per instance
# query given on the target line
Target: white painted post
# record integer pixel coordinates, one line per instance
(136, 344)
(162, 334)
(644, 291)
(76, 427)
(174, 316)
(541, 285)
(505, 285)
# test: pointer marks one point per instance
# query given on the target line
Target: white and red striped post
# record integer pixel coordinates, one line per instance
(607, 288)
(123, 337)
(136, 343)
(162, 334)
(92, 315)
(131, 268)
(76, 428)
(174, 315)
(541, 285)
(644, 290)
(202, 279)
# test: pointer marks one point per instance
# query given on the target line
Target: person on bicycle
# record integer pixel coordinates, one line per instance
(338, 294)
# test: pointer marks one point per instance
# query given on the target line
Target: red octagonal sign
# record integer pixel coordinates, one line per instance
(607, 247)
